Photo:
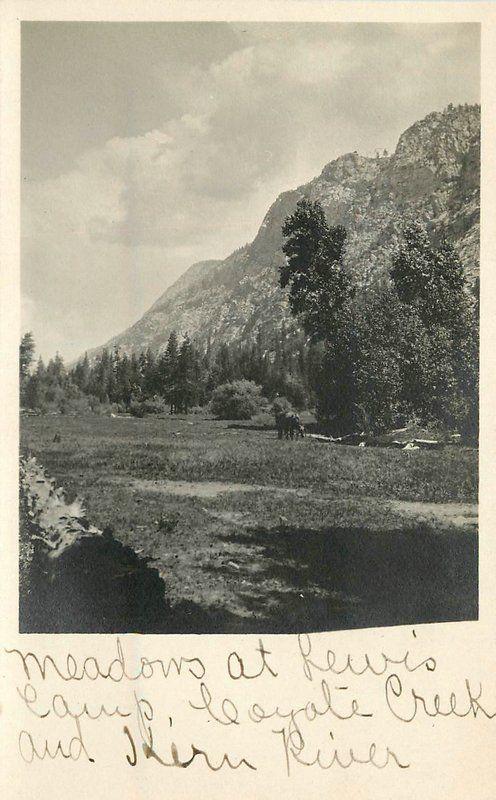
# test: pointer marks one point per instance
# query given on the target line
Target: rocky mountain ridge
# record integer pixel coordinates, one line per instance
(433, 176)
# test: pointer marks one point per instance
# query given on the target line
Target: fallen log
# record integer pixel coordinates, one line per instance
(428, 444)
(318, 437)
(382, 440)
(351, 438)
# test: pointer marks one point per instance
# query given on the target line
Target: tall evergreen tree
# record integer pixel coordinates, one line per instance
(26, 355)
(124, 381)
(81, 374)
(185, 385)
(168, 372)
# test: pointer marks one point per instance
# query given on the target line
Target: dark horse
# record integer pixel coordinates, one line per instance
(289, 425)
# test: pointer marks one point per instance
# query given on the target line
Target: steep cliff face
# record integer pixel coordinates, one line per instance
(433, 176)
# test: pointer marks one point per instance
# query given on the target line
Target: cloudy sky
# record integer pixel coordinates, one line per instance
(149, 146)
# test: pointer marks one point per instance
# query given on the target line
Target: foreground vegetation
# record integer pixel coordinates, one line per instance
(255, 533)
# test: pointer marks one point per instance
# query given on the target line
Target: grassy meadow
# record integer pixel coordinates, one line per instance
(250, 533)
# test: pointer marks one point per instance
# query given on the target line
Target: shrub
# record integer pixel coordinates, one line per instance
(76, 406)
(151, 405)
(198, 410)
(105, 409)
(136, 408)
(237, 400)
(154, 405)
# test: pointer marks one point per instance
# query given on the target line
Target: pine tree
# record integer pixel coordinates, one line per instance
(168, 372)
(35, 387)
(26, 355)
(81, 374)
(135, 375)
(124, 381)
(223, 367)
(185, 389)
(55, 370)
(149, 366)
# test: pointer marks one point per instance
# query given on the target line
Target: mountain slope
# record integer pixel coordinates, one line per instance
(433, 175)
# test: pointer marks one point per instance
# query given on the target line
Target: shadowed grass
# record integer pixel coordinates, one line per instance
(320, 547)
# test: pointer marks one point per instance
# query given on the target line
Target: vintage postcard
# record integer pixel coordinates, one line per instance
(248, 452)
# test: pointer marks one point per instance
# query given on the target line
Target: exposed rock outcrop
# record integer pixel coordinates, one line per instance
(433, 176)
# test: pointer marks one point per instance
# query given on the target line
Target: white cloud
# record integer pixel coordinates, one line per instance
(103, 240)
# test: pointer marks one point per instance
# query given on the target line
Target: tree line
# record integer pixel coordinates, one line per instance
(407, 350)
(177, 379)
(400, 352)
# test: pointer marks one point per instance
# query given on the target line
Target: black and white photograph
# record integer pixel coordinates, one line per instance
(249, 355)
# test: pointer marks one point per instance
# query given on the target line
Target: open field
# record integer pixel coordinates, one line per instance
(250, 533)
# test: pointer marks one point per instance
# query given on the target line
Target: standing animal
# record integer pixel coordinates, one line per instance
(289, 425)
(280, 422)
